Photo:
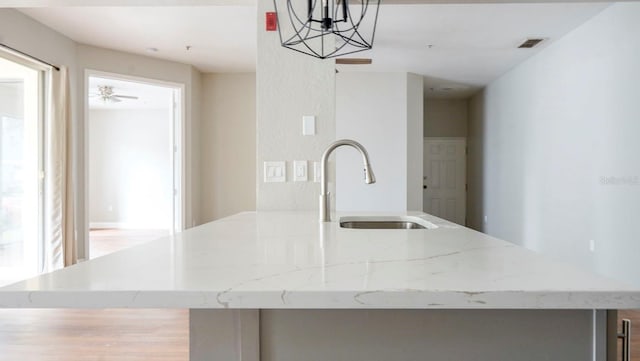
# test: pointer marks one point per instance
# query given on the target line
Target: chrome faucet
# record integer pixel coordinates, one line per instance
(325, 197)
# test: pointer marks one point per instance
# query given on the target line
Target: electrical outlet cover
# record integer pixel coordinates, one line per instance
(309, 125)
(300, 171)
(316, 172)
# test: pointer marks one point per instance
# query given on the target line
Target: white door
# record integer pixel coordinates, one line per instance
(444, 193)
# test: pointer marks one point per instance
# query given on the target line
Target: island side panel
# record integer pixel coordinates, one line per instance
(372, 335)
(231, 335)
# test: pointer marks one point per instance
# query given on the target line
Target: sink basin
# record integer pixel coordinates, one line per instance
(382, 222)
(381, 225)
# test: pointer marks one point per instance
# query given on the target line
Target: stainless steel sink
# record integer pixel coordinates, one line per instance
(381, 225)
(385, 222)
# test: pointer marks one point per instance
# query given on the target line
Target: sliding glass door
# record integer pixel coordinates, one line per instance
(21, 126)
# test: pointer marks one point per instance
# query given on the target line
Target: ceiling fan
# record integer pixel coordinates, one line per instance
(106, 94)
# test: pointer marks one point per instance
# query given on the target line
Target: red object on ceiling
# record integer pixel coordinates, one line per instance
(272, 21)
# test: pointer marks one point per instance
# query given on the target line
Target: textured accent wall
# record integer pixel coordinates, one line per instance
(289, 86)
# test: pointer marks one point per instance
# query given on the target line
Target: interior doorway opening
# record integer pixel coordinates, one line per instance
(134, 161)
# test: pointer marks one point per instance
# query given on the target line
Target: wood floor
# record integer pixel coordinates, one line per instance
(87, 335)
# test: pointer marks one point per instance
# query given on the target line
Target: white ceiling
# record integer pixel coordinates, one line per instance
(472, 44)
(222, 38)
(149, 96)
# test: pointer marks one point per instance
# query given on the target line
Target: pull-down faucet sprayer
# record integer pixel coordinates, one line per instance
(325, 197)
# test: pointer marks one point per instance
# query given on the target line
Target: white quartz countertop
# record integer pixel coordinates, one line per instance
(290, 260)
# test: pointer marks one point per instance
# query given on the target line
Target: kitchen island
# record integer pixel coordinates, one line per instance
(283, 286)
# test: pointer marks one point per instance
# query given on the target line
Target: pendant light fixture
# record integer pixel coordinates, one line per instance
(327, 28)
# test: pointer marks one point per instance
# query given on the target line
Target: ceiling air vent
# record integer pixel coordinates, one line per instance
(530, 43)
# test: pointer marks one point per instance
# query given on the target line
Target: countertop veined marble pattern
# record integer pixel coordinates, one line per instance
(290, 260)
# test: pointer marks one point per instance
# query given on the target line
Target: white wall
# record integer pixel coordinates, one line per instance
(130, 168)
(546, 138)
(288, 86)
(27, 35)
(415, 141)
(378, 110)
(192, 183)
(228, 145)
(445, 117)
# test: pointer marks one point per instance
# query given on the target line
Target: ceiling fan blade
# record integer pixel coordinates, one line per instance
(353, 61)
(114, 99)
(125, 96)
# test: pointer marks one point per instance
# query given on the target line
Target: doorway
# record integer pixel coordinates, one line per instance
(21, 168)
(444, 180)
(134, 161)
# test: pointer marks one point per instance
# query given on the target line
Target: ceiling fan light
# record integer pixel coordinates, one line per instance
(107, 95)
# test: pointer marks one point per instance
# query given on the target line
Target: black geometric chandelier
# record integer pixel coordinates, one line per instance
(327, 28)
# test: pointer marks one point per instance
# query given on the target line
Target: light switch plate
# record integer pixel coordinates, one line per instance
(275, 172)
(300, 171)
(308, 125)
(316, 172)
